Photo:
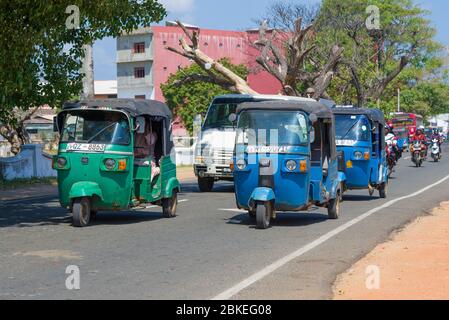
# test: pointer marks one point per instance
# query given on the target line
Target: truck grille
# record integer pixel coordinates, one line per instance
(222, 157)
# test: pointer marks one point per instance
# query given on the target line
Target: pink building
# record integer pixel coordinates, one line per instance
(143, 63)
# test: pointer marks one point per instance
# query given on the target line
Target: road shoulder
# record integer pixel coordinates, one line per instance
(414, 264)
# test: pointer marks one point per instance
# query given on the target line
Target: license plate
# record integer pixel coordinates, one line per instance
(89, 147)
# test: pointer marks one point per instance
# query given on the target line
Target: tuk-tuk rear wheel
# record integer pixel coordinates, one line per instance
(264, 211)
(81, 212)
(383, 190)
(333, 209)
(169, 205)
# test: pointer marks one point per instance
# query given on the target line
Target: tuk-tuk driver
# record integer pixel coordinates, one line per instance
(145, 145)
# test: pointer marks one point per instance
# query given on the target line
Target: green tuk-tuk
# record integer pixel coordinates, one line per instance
(101, 166)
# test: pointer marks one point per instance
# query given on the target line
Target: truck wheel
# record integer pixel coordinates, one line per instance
(81, 212)
(383, 190)
(264, 211)
(333, 210)
(169, 205)
(206, 184)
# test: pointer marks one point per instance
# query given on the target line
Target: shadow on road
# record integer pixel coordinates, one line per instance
(361, 198)
(27, 214)
(220, 187)
(294, 219)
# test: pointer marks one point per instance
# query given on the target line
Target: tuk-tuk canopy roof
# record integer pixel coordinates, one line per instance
(374, 115)
(309, 106)
(134, 107)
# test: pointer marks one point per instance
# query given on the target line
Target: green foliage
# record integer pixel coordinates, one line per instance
(187, 99)
(405, 32)
(40, 58)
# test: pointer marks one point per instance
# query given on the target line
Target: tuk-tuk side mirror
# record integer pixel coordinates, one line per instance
(312, 135)
(140, 125)
(55, 124)
(313, 118)
(232, 117)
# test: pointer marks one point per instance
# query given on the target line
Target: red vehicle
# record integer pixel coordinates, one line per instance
(405, 126)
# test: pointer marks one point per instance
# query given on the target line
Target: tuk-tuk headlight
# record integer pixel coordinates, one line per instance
(110, 164)
(61, 162)
(291, 165)
(241, 164)
(358, 155)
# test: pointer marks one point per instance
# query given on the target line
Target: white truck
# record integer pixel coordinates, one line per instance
(215, 145)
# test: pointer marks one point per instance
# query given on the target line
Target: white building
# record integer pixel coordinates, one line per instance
(134, 65)
(440, 121)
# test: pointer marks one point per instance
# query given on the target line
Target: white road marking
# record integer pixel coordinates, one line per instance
(233, 210)
(152, 207)
(229, 293)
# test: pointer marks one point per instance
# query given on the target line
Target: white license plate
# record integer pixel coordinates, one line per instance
(89, 147)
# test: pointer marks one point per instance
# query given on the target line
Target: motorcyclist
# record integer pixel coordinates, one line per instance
(421, 137)
(391, 137)
(436, 135)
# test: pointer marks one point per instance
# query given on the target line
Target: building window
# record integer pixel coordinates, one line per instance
(139, 47)
(139, 72)
(140, 97)
(165, 68)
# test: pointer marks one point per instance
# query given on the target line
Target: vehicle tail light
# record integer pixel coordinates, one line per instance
(349, 164)
(366, 156)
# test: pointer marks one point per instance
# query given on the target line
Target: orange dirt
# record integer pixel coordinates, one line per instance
(414, 265)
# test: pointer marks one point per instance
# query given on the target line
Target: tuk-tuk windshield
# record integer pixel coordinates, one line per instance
(96, 127)
(218, 116)
(352, 127)
(272, 128)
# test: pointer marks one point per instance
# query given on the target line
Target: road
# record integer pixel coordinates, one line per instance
(208, 249)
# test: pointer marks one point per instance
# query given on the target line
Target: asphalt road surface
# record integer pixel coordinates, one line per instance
(211, 250)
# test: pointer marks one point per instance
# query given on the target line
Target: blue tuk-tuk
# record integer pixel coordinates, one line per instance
(361, 144)
(286, 159)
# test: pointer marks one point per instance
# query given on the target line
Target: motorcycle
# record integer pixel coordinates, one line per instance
(417, 152)
(435, 150)
(391, 157)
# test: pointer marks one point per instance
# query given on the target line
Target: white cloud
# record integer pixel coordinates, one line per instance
(178, 6)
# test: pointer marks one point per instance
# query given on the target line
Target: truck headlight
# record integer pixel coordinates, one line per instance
(241, 164)
(291, 165)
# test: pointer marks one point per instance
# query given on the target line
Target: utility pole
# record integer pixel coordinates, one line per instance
(88, 70)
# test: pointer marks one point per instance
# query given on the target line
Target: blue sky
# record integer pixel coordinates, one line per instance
(236, 15)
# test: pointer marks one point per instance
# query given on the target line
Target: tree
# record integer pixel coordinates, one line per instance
(213, 71)
(190, 91)
(41, 50)
(375, 58)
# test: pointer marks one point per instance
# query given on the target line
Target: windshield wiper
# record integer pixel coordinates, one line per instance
(347, 132)
(101, 131)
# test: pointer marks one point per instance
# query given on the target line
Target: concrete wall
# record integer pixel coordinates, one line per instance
(29, 163)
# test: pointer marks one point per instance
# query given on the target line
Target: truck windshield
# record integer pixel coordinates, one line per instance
(352, 127)
(96, 127)
(272, 128)
(218, 116)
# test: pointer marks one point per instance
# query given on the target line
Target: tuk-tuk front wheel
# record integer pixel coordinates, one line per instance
(169, 205)
(81, 212)
(264, 211)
